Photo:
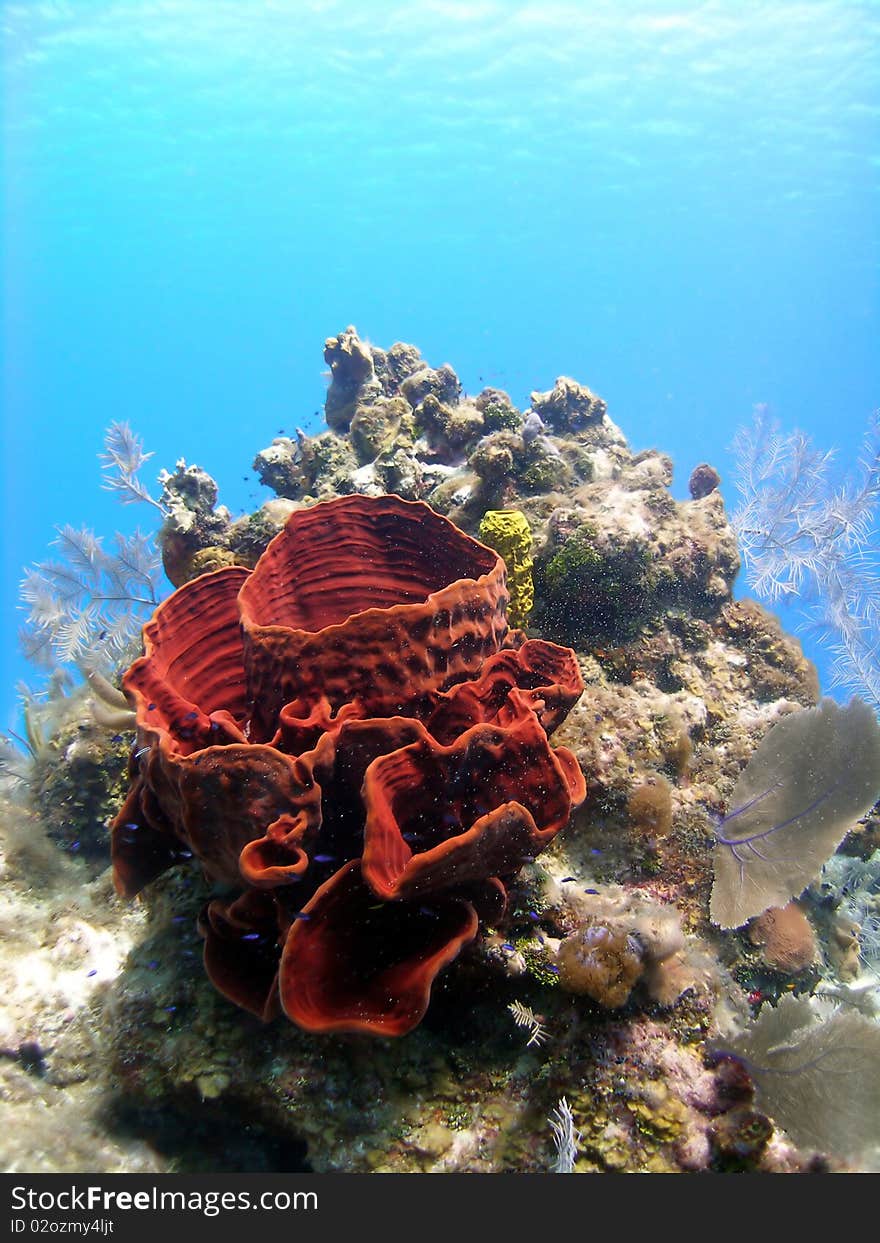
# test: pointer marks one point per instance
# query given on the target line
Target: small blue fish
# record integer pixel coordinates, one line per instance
(533, 915)
(94, 971)
(566, 879)
(251, 936)
(325, 858)
(74, 847)
(594, 850)
(301, 915)
(591, 891)
(508, 946)
(134, 827)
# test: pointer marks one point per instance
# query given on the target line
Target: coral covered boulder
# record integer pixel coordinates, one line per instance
(351, 737)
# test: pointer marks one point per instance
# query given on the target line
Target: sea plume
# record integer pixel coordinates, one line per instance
(89, 602)
(805, 535)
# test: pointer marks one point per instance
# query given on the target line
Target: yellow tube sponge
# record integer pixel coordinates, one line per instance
(509, 533)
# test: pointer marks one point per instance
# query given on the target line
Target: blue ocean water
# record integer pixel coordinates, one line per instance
(675, 203)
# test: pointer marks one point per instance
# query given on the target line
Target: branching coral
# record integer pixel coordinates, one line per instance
(856, 884)
(86, 605)
(803, 536)
(122, 458)
(90, 602)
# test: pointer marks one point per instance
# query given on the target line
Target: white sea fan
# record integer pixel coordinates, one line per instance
(817, 1073)
(813, 775)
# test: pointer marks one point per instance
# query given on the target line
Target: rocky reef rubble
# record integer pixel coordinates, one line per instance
(396, 424)
(606, 941)
(64, 938)
(612, 549)
(198, 535)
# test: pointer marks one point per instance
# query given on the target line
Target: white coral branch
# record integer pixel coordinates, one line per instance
(565, 1138)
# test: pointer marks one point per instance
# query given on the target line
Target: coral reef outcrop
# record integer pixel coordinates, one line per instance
(344, 799)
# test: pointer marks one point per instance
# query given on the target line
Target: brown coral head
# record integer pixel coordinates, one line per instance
(603, 961)
(650, 806)
(340, 736)
(704, 479)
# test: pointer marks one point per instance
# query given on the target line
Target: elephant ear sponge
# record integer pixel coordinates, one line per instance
(354, 747)
(509, 533)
